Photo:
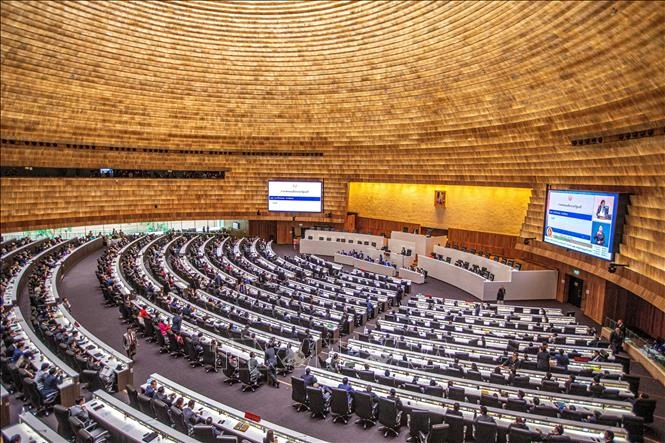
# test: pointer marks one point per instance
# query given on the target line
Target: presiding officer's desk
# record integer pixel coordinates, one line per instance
(30, 428)
(226, 417)
(583, 432)
(121, 364)
(476, 388)
(380, 352)
(126, 424)
(388, 332)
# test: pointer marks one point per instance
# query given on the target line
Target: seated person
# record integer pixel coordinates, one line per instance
(80, 411)
(308, 378)
(348, 388)
(161, 396)
(454, 411)
(215, 430)
(151, 388)
(50, 382)
(189, 415)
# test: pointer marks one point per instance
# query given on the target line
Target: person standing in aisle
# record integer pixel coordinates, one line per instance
(130, 342)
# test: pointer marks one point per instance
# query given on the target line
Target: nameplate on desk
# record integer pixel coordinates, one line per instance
(253, 417)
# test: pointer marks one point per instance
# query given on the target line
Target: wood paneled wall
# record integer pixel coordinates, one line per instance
(377, 226)
(497, 244)
(637, 313)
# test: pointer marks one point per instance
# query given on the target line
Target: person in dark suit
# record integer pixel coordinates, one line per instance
(543, 359)
(348, 388)
(270, 360)
(484, 416)
(308, 378)
(454, 411)
(50, 382)
(518, 424)
(393, 396)
(189, 415)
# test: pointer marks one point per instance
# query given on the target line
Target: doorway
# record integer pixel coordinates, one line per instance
(575, 289)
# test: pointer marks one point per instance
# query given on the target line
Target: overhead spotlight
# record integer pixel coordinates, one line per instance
(527, 240)
(612, 268)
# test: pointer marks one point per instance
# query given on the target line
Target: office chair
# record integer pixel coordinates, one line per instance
(518, 435)
(547, 411)
(162, 412)
(299, 394)
(579, 389)
(133, 396)
(436, 391)
(93, 432)
(365, 409)
(248, 384)
(64, 428)
(437, 433)
(339, 406)
(418, 424)
(485, 432)
(490, 400)
(209, 359)
(231, 373)
(85, 436)
(497, 379)
(456, 428)
(413, 387)
(204, 433)
(550, 386)
(389, 416)
(145, 405)
(634, 425)
(515, 404)
(37, 402)
(456, 393)
(644, 408)
(317, 402)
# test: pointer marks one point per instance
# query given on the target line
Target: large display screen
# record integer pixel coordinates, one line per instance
(583, 221)
(295, 196)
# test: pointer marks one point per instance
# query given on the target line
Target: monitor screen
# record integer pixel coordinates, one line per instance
(295, 196)
(584, 221)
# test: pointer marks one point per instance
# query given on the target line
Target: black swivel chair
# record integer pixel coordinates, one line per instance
(64, 428)
(339, 406)
(547, 411)
(299, 394)
(85, 436)
(456, 428)
(209, 359)
(162, 412)
(645, 408)
(518, 435)
(179, 420)
(204, 433)
(145, 405)
(497, 379)
(516, 404)
(456, 393)
(248, 384)
(490, 400)
(133, 396)
(418, 424)
(92, 431)
(550, 386)
(231, 373)
(37, 402)
(389, 416)
(317, 402)
(485, 432)
(436, 391)
(365, 409)
(634, 425)
(437, 433)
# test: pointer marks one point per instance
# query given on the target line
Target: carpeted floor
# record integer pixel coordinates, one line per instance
(81, 287)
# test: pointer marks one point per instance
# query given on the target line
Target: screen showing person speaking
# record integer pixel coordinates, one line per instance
(293, 196)
(582, 221)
